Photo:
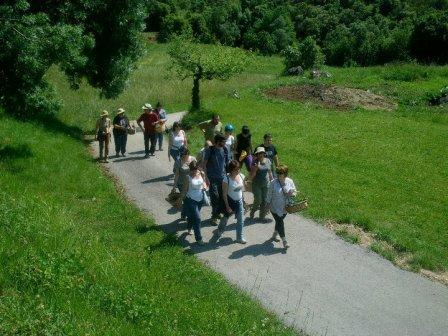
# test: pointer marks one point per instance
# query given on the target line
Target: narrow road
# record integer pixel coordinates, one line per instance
(321, 285)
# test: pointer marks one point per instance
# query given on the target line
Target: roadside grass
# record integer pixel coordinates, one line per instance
(76, 258)
(384, 171)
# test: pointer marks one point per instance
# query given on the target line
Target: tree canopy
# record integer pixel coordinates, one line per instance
(205, 62)
(92, 39)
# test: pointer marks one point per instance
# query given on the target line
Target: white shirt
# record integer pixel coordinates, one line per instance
(235, 188)
(229, 143)
(178, 139)
(195, 188)
(276, 196)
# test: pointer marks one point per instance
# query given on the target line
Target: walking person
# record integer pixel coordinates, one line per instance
(232, 189)
(161, 125)
(230, 140)
(260, 175)
(215, 162)
(177, 140)
(244, 147)
(211, 128)
(271, 151)
(120, 131)
(280, 189)
(194, 199)
(201, 153)
(103, 128)
(149, 119)
(181, 172)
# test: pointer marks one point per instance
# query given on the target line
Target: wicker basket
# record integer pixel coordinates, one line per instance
(131, 130)
(296, 207)
(173, 198)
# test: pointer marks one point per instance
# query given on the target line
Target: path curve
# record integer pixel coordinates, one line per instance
(322, 285)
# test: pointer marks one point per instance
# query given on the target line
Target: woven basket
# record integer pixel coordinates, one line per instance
(296, 207)
(131, 130)
(173, 198)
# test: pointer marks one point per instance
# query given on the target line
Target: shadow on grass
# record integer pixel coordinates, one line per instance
(10, 153)
(53, 124)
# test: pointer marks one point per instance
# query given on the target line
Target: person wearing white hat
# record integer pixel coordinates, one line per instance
(121, 125)
(149, 119)
(261, 174)
(102, 134)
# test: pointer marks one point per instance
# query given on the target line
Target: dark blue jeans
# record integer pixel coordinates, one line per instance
(149, 137)
(159, 140)
(216, 200)
(120, 143)
(193, 211)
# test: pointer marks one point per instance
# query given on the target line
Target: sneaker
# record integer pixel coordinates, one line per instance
(146, 156)
(241, 240)
(200, 242)
(117, 155)
(275, 237)
(285, 244)
(189, 232)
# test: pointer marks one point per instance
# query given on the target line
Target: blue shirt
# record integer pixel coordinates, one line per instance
(217, 159)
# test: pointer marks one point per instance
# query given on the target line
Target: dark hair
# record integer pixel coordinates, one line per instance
(194, 165)
(245, 129)
(267, 135)
(215, 116)
(184, 151)
(233, 164)
(176, 124)
(159, 104)
(219, 137)
(282, 169)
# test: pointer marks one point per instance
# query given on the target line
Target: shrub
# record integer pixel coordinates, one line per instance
(307, 54)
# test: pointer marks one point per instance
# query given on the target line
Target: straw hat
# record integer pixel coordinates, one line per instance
(147, 106)
(104, 113)
(260, 150)
(120, 110)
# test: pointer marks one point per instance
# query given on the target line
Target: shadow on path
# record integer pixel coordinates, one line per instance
(159, 179)
(266, 248)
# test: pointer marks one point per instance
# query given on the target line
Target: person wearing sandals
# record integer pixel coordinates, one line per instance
(120, 131)
(194, 199)
(260, 175)
(181, 172)
(102, 134)
(280, 189)
(232, 190)
(243, 147)
(176, 141)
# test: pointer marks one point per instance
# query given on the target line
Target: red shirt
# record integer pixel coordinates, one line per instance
(148, 120)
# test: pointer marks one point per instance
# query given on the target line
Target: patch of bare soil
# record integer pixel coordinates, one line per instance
(400, 259)
(333, 96)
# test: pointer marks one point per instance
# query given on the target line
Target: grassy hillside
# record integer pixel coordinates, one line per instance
(384, 171)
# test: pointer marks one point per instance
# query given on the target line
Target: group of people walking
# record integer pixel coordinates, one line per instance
(212, 177)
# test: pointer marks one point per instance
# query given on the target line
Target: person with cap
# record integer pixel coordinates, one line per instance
(102, 134)
(212, 127)
(215, 162)
(120, 131)
(232, 188)
(260, 175)
(244, 147)
(149, 119)
(230, 140)
(280, 189)
(161, 125)
(271, 151)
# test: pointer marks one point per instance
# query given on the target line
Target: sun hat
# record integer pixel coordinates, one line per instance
(120, 110)
(260, 150)
(104, 113)
(147, 106)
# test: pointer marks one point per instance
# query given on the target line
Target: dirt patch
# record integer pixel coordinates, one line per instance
(370, 241)
(333, 96)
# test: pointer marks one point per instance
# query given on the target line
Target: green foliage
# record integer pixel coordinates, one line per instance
(96, 40)
(307, 54)
(435, 98)
(429, 40)
(205, 62)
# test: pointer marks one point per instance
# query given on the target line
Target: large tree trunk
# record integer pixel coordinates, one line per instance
(195, 99)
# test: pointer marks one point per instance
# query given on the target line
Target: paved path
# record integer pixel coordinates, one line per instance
(322, 285)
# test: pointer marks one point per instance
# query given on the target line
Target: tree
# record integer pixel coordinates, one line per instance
(205, 62)
(307, 54)
(97, 40)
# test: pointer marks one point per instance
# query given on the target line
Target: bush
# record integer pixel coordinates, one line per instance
(429, 40)
(307, 54)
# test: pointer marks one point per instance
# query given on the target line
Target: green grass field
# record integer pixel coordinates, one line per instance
(384, 171)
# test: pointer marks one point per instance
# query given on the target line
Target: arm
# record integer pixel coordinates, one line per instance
(185, 139)
(292, 191)
(271, 177)
(176, 177)
(253, 171)
(139, 123)
(276, 162)
(203, 125)
(270, 193)
(225, 189)
(97, 128)
(170, 144)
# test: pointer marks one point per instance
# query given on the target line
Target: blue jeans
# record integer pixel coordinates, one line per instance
(120, 143)
(238, 209)
(193, 209)
(159, 140)
(175, 154)
(216, 200)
